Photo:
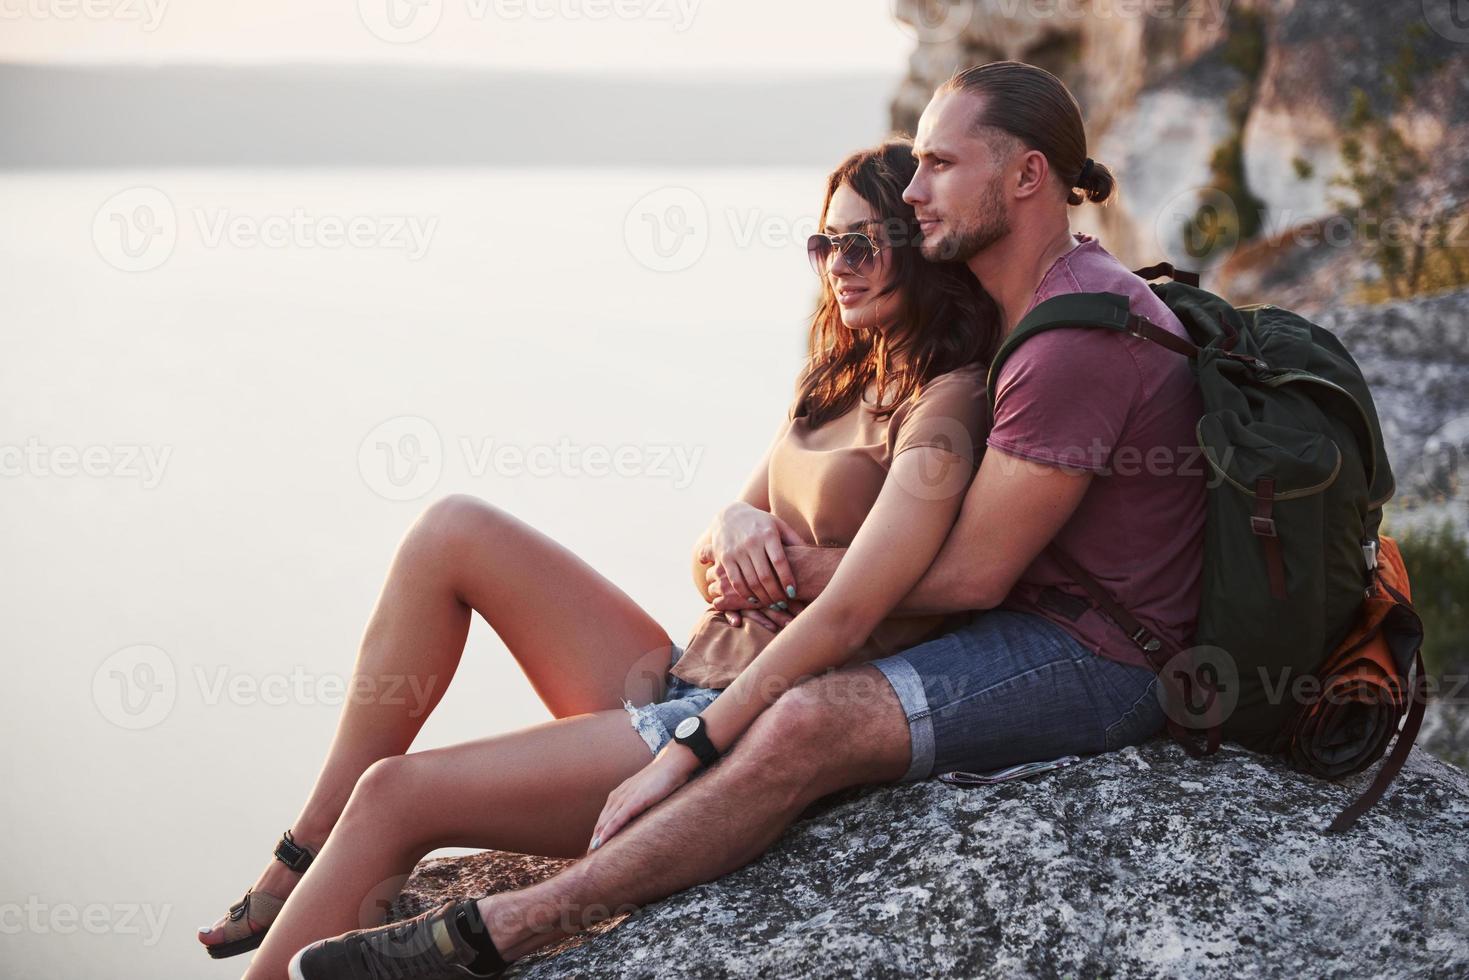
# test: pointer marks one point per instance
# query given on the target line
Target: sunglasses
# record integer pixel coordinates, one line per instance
(854, 249)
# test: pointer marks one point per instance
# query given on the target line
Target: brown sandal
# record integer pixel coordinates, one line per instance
(259, 907)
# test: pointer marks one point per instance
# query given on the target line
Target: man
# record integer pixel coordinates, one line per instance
(1091, 448)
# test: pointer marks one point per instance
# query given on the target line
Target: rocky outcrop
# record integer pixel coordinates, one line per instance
(1415, 355)
(1237, 107)
(1137, 863)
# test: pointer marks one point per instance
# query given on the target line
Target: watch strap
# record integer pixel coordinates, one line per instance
(701, 744)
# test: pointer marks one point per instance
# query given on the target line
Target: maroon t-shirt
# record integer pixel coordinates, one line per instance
(1124, 408)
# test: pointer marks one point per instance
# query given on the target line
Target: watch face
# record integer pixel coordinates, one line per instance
(687, 727)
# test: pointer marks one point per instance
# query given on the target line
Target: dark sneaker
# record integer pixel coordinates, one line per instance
(425, 947)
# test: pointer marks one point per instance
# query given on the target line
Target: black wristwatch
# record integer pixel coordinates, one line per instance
(694, 732)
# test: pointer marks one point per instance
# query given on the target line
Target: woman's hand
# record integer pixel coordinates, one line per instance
(670, 769)
(724, 599)
(747, 547)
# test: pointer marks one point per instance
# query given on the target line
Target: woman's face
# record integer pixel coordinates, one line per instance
(857, 289)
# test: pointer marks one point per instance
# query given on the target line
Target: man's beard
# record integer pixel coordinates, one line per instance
(991, 226)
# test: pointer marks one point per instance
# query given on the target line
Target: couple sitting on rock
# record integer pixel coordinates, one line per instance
(882, 606)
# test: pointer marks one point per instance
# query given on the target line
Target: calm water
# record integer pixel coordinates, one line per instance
(225, 397)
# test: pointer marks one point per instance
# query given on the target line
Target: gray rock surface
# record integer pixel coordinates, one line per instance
(1415, 355)
(1137, 863)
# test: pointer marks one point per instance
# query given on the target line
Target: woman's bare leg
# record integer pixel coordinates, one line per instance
(581, 641)
(536, 791)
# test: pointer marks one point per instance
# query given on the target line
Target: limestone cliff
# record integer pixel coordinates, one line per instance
(1245, 110)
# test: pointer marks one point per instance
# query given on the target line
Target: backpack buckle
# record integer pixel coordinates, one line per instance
(1263, 526)
(1249, 359)
(1147, 641)
(1369, 554)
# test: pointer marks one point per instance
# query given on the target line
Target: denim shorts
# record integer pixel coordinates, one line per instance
(656, 721)
(1007, 687)
(1010, 687)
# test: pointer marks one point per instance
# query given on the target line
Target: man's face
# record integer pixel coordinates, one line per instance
(958, 191)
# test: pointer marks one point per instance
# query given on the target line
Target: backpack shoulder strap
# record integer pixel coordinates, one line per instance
(1102, 311)
(1160, 269)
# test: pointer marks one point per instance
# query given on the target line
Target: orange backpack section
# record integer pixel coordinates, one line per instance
(1364, 691)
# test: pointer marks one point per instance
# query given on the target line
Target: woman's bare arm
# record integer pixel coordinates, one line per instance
(742, 552)
(756, 493)
(1011, 512)
(897, 541)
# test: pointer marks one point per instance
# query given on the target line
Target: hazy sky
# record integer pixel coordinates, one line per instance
(718, 37)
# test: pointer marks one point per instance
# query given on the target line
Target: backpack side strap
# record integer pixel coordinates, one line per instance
(1395, 760)
(1145, 640)
(1156, 656)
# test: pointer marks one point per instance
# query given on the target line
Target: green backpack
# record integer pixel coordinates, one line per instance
(1297, 476)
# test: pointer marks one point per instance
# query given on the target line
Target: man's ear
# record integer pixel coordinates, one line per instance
(1032, 173)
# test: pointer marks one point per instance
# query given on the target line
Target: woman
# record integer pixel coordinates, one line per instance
(888, 420)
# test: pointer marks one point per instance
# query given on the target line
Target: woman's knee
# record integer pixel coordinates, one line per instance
(453, 525)
(455, 516)
(387, 792)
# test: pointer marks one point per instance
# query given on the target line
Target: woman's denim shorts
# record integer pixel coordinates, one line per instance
(1011, 687)
(1007, 687)
(656, 721)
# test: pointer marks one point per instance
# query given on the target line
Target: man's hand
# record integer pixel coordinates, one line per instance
(727, 600)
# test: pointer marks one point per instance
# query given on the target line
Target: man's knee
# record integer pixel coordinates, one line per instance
(847, 721)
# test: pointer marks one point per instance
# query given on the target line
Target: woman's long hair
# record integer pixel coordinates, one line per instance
(942, 318)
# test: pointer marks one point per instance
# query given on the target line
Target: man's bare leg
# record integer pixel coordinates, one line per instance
(836, 730)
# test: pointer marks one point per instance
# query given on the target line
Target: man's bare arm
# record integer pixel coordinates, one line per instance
(1012, 510)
